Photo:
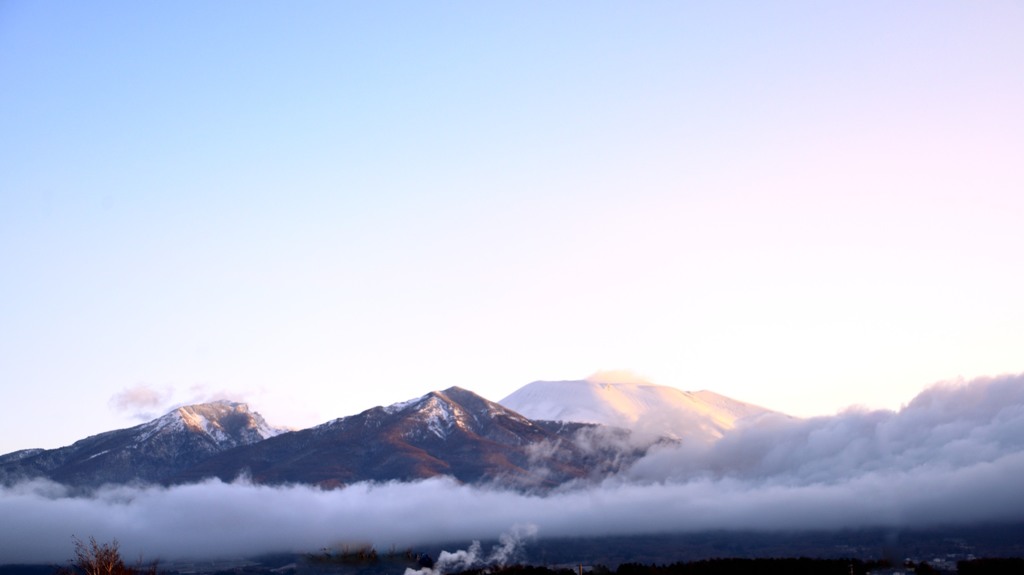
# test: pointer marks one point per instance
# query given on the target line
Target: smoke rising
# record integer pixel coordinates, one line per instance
(507, 551)
(953, 455)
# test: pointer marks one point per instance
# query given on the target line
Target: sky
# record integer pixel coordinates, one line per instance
(326, 206)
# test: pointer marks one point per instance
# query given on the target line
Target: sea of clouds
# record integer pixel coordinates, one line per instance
(954, 455)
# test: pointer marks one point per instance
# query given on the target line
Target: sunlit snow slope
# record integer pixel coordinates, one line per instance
(633, 404)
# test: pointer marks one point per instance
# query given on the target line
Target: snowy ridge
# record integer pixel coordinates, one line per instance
(640, 406)
(19, 455)
(437, 416)
(151, 452)
(441, 413)
(214, 420)
(438, 413)
(170, 422)
(396, 407)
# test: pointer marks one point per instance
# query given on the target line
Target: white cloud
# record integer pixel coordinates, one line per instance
(142, 400)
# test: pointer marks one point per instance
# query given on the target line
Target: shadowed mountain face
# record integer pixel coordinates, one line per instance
(453, 432)
(150, 452)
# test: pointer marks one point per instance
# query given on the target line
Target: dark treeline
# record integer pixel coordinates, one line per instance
(990, 566)
(768, 566)
(94, 558)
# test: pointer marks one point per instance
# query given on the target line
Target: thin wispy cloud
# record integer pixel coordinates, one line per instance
(142, 401)
(145, 402)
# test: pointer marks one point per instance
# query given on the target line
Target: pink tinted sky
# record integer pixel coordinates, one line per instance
(323, 208)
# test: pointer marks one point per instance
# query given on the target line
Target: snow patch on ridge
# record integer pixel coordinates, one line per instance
(438, 417)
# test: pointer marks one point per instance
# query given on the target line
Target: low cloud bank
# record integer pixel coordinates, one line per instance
(948, 427)
(954, 455)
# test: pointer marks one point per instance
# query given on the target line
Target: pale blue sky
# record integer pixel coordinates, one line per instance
(322, 207)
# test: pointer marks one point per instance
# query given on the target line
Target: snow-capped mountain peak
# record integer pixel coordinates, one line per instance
(442, 411)
(438, 416)
(632, 403)
(225, 422)
(152, 451)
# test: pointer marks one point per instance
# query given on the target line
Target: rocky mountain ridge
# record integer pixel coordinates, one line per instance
(454, 433)
(149, 452)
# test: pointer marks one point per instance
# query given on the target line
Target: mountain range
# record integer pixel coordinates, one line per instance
(544, 435)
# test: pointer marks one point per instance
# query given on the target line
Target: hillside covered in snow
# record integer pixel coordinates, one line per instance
(627, 401)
